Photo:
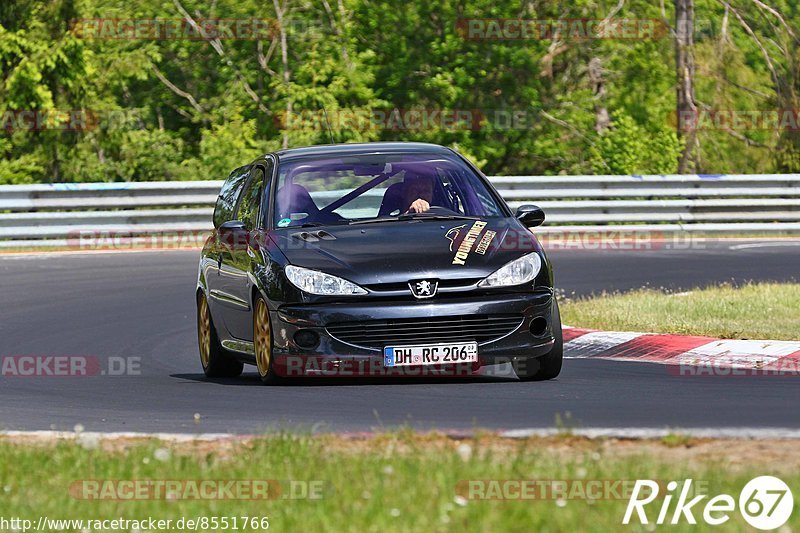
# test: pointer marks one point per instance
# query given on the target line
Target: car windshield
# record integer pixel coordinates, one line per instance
(379, 188)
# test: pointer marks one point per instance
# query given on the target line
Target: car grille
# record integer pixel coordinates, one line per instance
(463, 283)
(380, 333)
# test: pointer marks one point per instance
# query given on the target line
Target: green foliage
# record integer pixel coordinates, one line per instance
(225, 147)
(630, 149)
(193, 109)
(18, 170)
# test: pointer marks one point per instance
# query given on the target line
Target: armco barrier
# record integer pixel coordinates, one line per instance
(47, 214)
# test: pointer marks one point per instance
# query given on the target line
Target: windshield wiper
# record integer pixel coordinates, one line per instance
(420, 216)
(305, 225)
(412, 216)
(373, 220)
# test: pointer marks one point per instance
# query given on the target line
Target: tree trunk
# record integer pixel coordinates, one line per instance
(279, 12)
(602, 121)
(787, 151)
(684, 64)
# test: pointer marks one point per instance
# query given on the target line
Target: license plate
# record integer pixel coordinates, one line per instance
(430, 354)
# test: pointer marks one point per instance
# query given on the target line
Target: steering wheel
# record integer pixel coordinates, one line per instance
(439, 210)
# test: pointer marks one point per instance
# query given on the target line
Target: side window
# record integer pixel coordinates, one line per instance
(226, 202)
(252, 196)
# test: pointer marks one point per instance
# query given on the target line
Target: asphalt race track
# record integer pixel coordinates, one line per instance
(140, 305)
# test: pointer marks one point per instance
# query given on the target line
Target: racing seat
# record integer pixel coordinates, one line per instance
(392, 200)
(295, 199)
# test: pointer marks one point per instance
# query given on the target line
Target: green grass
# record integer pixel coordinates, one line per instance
(752, 311)
(395, 482)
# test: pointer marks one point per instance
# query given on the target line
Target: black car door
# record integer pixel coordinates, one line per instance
(224, 211)
(238, 259)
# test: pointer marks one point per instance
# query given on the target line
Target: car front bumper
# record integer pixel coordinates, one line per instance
(334, 357)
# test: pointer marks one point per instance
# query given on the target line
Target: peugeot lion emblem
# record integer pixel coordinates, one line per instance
(423, 288)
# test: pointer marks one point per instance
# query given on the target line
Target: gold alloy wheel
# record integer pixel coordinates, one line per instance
(262, 338)
(204, 331)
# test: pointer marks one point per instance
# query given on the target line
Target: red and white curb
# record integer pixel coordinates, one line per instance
(682, 350)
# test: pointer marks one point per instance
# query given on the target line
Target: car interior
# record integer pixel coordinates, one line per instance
(295, 203)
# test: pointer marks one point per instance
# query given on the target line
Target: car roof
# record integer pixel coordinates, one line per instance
(361, 148)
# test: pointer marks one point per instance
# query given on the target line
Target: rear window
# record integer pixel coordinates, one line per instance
(226, 202)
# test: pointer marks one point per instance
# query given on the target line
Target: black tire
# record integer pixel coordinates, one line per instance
(547, 366)
(216, 361)
(262, 342)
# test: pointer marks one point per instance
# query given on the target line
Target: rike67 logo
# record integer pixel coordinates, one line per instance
(765, 503)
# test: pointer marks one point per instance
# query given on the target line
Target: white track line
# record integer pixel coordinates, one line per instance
(659, 433)
(89, 253)
(89, 435)
(591, 433)
(762, 245)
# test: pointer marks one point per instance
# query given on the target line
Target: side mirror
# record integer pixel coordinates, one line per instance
(233, 235)
(530, 215)
(232, 225)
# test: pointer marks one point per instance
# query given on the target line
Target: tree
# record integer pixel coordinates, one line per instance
(686, 107)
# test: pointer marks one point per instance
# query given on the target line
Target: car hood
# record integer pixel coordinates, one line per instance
(398, 251)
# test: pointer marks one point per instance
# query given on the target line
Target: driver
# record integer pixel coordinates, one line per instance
(417, 192)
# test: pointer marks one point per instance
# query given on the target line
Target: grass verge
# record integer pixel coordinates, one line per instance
(752, 311)
(400, 481)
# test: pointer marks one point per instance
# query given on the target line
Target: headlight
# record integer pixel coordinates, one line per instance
(316, 282)
(516, 272)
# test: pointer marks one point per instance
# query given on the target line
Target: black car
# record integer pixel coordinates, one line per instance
(373, 259)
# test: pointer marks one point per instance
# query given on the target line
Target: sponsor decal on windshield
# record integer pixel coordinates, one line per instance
(469, 241)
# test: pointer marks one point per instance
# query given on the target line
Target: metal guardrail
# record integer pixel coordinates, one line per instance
(47, 215)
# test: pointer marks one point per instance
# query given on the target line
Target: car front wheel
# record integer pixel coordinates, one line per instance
(262, 342)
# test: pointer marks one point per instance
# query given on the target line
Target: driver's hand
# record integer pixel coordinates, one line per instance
(419, 206)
